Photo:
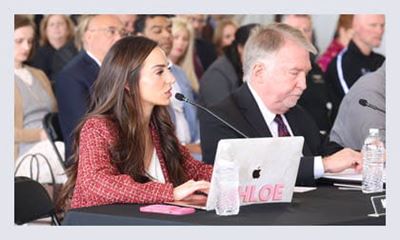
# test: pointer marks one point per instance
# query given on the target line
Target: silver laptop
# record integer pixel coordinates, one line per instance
(267, 169)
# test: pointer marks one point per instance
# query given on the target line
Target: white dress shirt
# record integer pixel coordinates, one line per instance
(94, 58)
(273, 128)
(182, 129)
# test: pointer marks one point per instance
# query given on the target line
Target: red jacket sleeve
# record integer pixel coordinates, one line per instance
(99, 181)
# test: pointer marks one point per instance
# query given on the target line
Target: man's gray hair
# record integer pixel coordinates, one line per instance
(265, 41)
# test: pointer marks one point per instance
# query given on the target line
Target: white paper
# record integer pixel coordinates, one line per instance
(349, 175)
(304, 189)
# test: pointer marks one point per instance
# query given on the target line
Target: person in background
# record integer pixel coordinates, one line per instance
(82, 24)
(57, 46)
(341, 39)
(315, 99)
(224, 34)
(226, 73)
(126, 149)
(74, 82)
(276, 60)
(129, 22)
(357, 59)
(210, 23)
(353, 121)
(182, 50)
(36, 18)
(76, 18)
(159, 29)
(204, 51)
(33, 99)
(302, 25)
(198, 22)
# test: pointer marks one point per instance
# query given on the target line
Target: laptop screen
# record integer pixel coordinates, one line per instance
(267, 169)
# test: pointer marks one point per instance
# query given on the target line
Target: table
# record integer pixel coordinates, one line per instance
(325, 206)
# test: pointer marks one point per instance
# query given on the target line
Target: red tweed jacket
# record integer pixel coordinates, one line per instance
(99, 182)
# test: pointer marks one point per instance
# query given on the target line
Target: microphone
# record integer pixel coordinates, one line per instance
(365, 103)
(182, 97)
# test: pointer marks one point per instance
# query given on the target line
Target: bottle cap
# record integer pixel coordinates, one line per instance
(374, 131)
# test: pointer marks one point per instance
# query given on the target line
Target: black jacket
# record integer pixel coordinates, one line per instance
(354, 65)
(315, 98)
(240, 109)
(218, 82)
(51, 61)
(73, 89)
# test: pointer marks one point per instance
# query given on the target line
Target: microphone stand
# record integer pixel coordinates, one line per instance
(181, 97)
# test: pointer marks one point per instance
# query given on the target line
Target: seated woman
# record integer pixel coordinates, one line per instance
(33, 99)
(182, 50)
(224, 34)
(57, 46)
(126, 150)
(342, 37)
(225, 74)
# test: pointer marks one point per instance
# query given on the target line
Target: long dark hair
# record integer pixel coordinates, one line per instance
(120, 68)
(231, 52)
(24, 21)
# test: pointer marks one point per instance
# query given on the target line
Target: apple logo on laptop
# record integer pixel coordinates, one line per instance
(256, 173)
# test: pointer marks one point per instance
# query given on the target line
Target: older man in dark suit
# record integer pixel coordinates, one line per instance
(74, 81)
(275, 64)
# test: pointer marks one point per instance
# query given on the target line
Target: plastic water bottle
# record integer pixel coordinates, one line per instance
(227, 176)
(373, 161)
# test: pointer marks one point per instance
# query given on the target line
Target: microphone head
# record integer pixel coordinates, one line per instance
(180, 97)
(363, 102)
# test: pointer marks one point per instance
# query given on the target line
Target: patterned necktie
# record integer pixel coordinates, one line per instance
(282, 130)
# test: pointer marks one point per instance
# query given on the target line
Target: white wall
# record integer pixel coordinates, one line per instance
(324, 28)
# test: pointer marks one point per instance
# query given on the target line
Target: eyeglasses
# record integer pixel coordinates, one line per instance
(111, 31)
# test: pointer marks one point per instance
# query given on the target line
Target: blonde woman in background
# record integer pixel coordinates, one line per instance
(56, 43)
(224, 34)
(33, 99)
(182, 50)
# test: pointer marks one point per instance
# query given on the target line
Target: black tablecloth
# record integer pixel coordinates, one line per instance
(325, 206)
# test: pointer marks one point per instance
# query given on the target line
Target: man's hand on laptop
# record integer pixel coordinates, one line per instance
(188, 190)
(345, 158)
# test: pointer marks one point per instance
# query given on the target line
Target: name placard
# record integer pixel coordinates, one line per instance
(379, 205)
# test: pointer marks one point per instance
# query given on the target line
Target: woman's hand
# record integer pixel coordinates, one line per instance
(186, 190)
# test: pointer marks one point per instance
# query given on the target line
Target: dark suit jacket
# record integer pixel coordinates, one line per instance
(206, 52)
(315, 98)
(218, 82)
(51, 61)
(240, 109)
(73, 87)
